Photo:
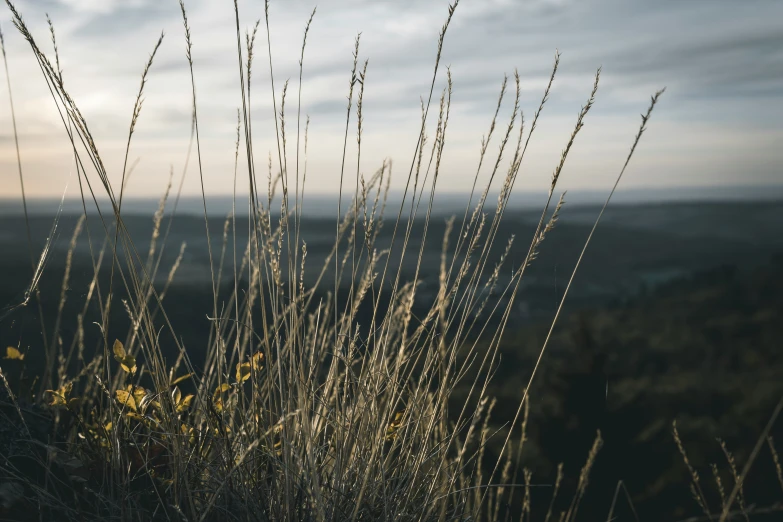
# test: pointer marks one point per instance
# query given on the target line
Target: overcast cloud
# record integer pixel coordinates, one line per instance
(719, 122)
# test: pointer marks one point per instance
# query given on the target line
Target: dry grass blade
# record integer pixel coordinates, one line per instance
(21, 182)
(775, 460)
(735, 491)
(194, 106)
(695, 485)
(642, 128)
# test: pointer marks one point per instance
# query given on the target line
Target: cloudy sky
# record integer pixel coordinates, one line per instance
(719, 123)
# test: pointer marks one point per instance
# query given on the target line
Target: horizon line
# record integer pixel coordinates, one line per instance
(322, 204)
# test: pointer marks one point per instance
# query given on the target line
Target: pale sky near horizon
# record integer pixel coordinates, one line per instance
(719, 123)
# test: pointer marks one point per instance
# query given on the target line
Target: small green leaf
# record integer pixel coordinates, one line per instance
(245, 369)
(243, 372)
(126, 398)
(139, 394)
(14, 354)
(257, 360)
(217, 400)
(185, 403)
(182, 378)
(61, 397)
(119, 350)
(128, 364)
(55, 399)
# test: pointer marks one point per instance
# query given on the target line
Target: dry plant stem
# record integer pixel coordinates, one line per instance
(753, 454)
(515, 167)
(21, 185)
(297, 196)
(719, 484)
(472, 285)
(384, 335)
(14, 402)
(284, 213)
(234, 242)
(522, 439)
(79, 173)
(340, 189)
(255, 220)
(173, 213)
(584, 478)
(463, 232)
(645, 117)
(696, 491)
(359, 118)
(134, 120)
(194, 105)
(621, 484)
(118, 211)
(419, 144)
(531, 252)
(485, 143)
(558, 480)
(775, 460)
(735, 475)
(94, 286)
(338, 347)
(280, 136)
(64, 289)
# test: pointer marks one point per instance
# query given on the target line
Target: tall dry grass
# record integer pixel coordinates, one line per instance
(297, 411)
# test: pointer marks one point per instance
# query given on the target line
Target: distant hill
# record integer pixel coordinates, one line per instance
(325, 205)
(703, 350)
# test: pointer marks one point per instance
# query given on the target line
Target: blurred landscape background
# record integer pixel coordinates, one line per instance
(678, 307)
